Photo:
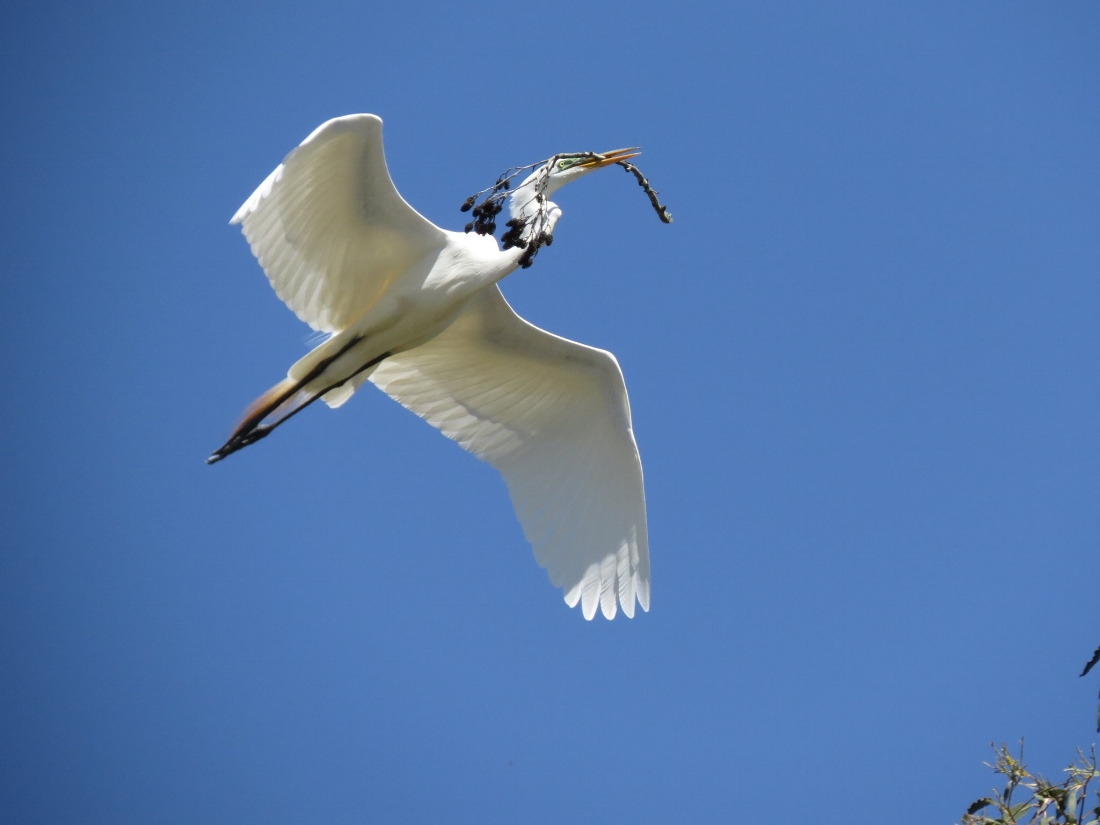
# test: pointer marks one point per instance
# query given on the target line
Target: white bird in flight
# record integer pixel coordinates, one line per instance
(416, 310)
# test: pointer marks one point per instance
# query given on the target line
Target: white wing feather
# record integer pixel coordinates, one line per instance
(329, 228)
(552, 416)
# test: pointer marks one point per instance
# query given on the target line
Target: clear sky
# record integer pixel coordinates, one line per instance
(863, 364)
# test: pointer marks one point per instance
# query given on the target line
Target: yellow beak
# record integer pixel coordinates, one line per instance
(614, 156)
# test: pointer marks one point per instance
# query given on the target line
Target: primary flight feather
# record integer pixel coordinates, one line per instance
(416, 310)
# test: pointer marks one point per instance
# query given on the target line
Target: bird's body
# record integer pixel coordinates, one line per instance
(415, 309)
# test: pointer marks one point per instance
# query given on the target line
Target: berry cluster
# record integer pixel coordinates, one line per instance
(485, 214)
(514, 235)
(514, 238)
(531, 248)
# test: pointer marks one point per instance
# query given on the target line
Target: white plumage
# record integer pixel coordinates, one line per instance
(416, 310)
(329, 228)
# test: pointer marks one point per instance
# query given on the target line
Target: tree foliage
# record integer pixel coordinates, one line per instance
(1029, 799)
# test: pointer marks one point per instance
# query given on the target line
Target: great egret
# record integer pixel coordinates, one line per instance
(416, 310)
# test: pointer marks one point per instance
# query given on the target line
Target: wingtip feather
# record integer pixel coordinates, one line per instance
(641, 588)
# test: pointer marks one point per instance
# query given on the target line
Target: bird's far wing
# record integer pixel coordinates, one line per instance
(552, 415)
(329, 228)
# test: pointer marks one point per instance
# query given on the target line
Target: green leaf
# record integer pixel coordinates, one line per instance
(977, 805)
(1016, 811)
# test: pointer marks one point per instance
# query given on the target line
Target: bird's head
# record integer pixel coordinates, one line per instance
(563, 169)
(534, 215)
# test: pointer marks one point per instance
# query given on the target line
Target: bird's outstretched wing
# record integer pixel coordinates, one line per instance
(329, 228)
(552, 415)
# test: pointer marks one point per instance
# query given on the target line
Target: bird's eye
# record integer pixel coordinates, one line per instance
(565, 164)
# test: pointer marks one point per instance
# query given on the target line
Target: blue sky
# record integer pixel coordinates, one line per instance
(863, 368)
